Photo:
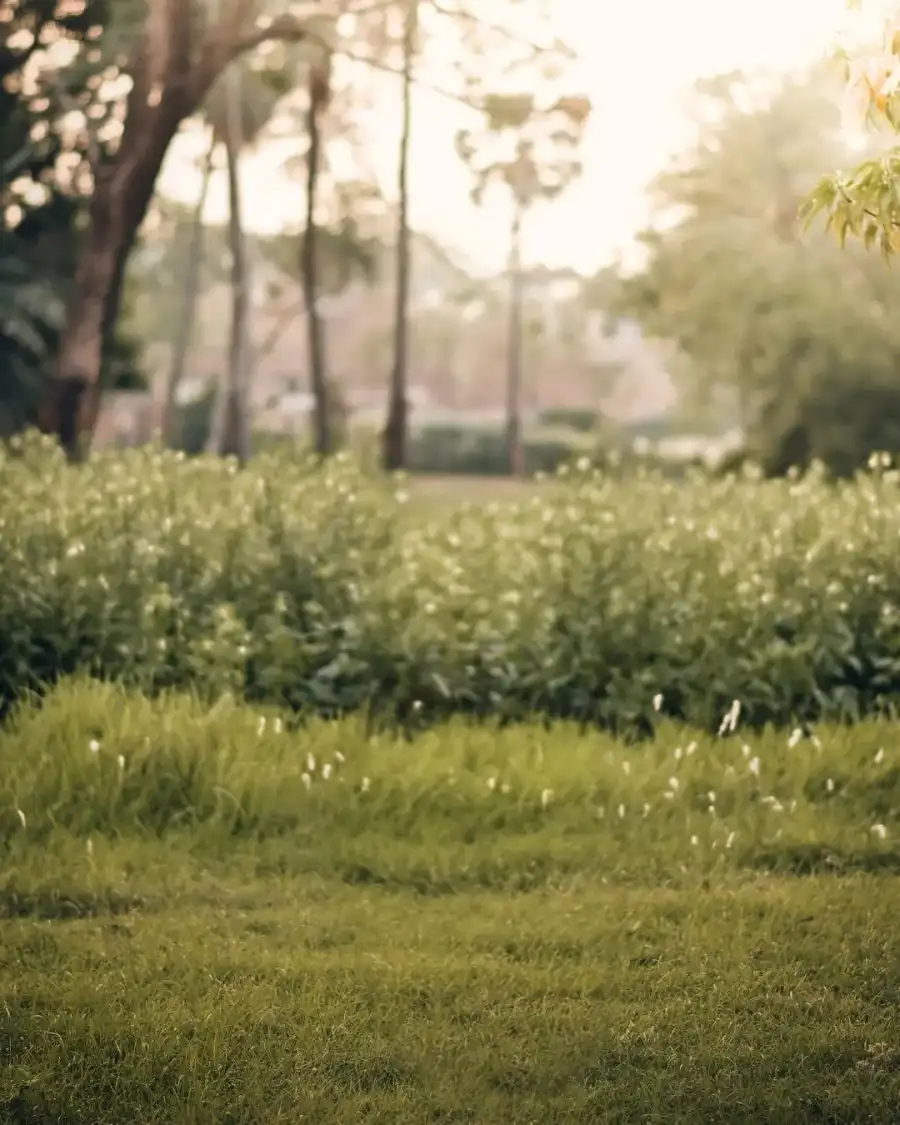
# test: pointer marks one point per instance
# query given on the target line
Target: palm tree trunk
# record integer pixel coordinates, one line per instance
(185, 329)
(514, 445)
(396, 428)
(230, 433)
(323, 438)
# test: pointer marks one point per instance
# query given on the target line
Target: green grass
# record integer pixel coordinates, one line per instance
(217, 915)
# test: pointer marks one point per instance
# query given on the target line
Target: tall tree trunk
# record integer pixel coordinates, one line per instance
(122, 193)
(188, 311)
(397, 425)
(323, 436)
(230, 431)
(514, 444)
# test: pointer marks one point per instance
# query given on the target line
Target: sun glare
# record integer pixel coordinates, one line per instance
(636, 61)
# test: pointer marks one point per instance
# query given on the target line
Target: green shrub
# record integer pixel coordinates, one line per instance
(158, 570)
(481, 451)
(583, 420)
(299, 585)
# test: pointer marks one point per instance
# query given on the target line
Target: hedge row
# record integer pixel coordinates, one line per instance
(300, 585)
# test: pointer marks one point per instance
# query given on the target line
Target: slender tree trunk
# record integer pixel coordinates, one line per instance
(188, 311)
(397, 425)
(232, 415)
(514, 444)
(323, 437)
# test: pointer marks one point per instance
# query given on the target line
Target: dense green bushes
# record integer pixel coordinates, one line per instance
(482, 451)
(589, 598)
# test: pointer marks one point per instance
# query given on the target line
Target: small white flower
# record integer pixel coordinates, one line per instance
(829, 785)
(731, 718)
(880, 831)
(673, 784)
(311, 763)
(657, 701)
(677, 753)
(326, 771)
(417, 705)
(879, 757)
(711, 797)
(94, 746)
(621, 812)
(339, 757)
(492, 783)
(694, 841)
(89, 846)
(261, 726)
(364, 787)
(279, 726)
(731, 839)
(646, 808)
(22, 819)
(120, 759)
(796, 737)
(691, 747)
(745, 750)
(306, 779)
(753, 766)
(546, 797)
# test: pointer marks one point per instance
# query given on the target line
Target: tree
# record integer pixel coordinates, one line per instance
(785, 333)
(230, 428)
(395, 430)
(191, 284)
(238, 109)
(319, 95)
(171, 52)
(43, 196)
(533, 150)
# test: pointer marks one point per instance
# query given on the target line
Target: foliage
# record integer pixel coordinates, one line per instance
(795, 339)
(345, 253)
(194, 419)
(865, 201)
(530, 147)
(481, 451)
(302, 586)
(583, 419)
(47, 73)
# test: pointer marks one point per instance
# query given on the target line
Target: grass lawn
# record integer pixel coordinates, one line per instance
(452, 490)
(208, 917)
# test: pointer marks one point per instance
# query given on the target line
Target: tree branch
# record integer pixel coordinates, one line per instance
(499, 29)
(866, 211)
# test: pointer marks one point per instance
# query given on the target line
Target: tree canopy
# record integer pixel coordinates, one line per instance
(792, 339)
(49, 79)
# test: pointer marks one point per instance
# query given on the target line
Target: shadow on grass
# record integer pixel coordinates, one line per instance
(820, 859)
(53, 905)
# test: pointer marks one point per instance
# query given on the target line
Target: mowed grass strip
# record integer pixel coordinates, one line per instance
(214, 915)
(305, 1000)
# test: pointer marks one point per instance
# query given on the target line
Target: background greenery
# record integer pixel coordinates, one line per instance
(318, 588)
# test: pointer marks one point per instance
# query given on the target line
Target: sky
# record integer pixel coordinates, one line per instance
(637, 60)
